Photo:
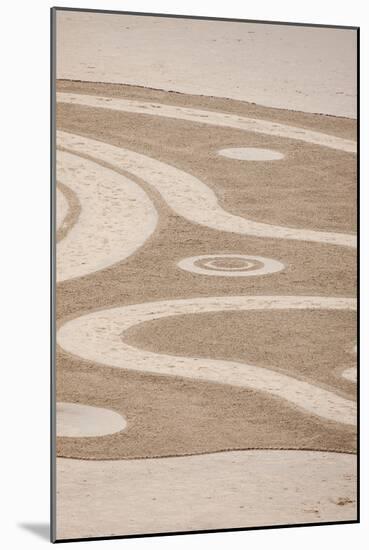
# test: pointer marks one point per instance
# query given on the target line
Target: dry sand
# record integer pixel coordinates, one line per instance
(298, 68)
(311, 189)
(316, 184)
(214, 491)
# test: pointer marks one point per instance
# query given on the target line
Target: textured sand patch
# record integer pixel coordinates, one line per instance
(169, 416)
(116, 218)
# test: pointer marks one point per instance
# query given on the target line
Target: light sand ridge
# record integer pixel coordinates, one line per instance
(97, 337)
(117, 217)
(210, 117)
(351, 372)
(251, 154)
(62, 208)
(188, 196)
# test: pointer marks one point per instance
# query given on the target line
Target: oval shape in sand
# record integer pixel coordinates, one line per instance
(76, 420)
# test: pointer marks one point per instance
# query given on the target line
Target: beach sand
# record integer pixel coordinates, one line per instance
(255, 459)
(291, 67)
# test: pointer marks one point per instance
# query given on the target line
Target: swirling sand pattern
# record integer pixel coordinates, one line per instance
(188, 196)
(116, 219)
(210, 117)
(97, 337)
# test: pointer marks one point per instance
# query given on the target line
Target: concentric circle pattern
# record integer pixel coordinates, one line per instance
(230, 265)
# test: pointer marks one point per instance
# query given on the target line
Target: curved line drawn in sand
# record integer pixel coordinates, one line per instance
(351, 373)
(76, 420)
(233, 489)
(251, 154)
(70, 211)
(210, 117)
(116, 217)
(249, 269)
(98, 337)
(62, 208)
(189, 197)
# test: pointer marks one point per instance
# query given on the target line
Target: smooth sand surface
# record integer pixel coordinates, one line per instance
(214, 491)
(299, 68)
(75, 420)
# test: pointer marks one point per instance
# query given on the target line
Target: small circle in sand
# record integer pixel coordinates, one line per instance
(230, 265)
(75, 420)
(250, 153)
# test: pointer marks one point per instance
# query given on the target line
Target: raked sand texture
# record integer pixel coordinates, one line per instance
(206, 312)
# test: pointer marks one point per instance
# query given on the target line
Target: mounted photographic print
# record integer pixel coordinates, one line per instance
(204, 325)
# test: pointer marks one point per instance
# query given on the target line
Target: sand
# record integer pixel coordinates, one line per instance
(214, 491)
(297, 68)
(181, 355)
(250, 153)
(112, 210)
(189, 197)
(99, 337)
(74, 420)
(316, 184)
(208, 117)
(230, 265)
